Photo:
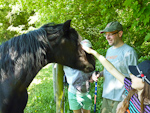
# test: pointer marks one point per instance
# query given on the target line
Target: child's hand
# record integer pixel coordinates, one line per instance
(91, 80)
(95, 77)
(87, 49)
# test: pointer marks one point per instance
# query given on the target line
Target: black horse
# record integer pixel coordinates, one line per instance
(22, 57)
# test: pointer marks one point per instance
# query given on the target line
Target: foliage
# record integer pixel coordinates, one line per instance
(88, 18)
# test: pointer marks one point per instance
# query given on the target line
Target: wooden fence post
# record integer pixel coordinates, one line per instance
(59, 89)
(54, 79)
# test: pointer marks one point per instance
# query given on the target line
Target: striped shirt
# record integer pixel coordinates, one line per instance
(134, 104)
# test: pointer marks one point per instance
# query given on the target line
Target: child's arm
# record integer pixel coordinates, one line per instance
(106, 64)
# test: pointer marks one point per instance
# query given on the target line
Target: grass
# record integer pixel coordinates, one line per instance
(40, 91)
(41, 96)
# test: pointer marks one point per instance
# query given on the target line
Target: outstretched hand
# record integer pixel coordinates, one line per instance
(88, 50)
(109, 66)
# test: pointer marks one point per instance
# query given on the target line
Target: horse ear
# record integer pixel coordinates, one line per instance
(66, 26)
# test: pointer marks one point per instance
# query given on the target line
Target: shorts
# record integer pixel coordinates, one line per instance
(109, 106)
(78, 101)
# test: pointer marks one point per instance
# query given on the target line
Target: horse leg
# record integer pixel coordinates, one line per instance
(23, 101)
(19, 102)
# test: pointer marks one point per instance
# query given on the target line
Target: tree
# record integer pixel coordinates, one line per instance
(88, 17)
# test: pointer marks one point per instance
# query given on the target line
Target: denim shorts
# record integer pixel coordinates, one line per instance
(78, 101)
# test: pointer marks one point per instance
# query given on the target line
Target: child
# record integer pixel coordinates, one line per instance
(78, 91)
(137, 88)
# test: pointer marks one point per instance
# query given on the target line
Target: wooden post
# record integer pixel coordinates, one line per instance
(59, 89)
(54, 80)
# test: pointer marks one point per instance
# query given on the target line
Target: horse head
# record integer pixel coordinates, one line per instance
(66, 48)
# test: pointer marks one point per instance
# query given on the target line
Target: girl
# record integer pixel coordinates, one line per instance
(137, 88)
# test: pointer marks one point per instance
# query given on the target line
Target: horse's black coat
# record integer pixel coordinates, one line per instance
(22, 57)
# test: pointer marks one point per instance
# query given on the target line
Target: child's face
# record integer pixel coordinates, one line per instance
(137, 83)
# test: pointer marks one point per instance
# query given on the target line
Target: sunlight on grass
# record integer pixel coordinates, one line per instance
(40, 91)
(36, 81)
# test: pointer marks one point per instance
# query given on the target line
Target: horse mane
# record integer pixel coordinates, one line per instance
(26, 50)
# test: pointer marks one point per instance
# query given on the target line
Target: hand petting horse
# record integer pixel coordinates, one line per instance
(22, 57)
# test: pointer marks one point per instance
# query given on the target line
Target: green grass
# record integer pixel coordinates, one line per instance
(41, 96)
(40, 91)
